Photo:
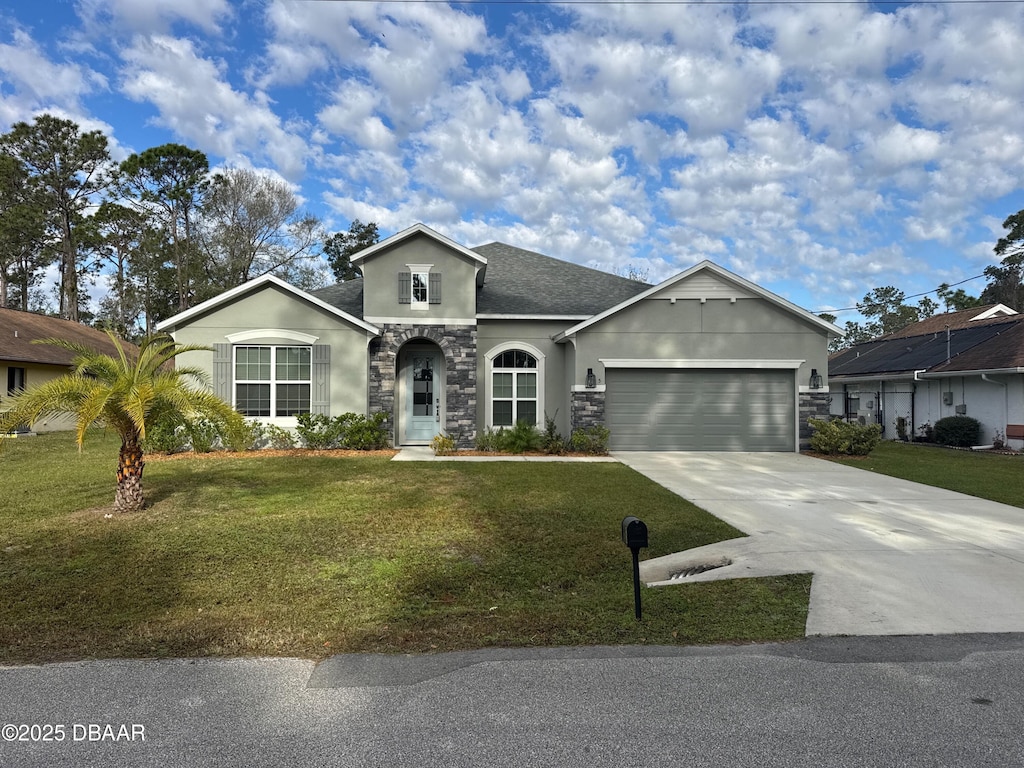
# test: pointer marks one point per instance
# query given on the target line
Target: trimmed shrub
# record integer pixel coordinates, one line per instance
(591, 440)
(839, 437)
(202, 434)
(279, 438)
(958, 431)
(349, 430)
(490, 439)
(242, 434)
(165, 433)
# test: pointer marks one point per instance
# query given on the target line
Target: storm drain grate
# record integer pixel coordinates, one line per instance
(693, 570)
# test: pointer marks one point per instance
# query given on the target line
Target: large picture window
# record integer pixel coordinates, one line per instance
(514, 382)
(272, 381)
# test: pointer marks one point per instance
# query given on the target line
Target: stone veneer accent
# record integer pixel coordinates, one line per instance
(813, 405)
(458, 344)
(586, 409)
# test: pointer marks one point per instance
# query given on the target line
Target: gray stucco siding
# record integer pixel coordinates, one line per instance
(380, 282)
(272, 309)
(536, 334)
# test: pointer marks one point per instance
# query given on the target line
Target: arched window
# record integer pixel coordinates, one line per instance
(515, 388)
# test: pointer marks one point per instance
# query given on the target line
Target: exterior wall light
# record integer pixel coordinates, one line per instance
(591, 378)
(816, 380)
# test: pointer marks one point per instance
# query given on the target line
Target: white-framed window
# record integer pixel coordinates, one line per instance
(516, 385)
(272, 380)
(420, 288)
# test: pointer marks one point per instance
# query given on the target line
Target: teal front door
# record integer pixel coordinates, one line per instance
(423, 400)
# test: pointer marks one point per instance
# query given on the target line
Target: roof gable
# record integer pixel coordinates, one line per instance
(414, 231)
(244, 289)
(703, 281)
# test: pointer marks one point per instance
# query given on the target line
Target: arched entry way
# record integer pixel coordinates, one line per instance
(420, 406)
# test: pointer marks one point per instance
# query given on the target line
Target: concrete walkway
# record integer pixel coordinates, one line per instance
(889, 556)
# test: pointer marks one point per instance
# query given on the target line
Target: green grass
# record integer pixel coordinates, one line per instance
(309, 556)
(997, 477)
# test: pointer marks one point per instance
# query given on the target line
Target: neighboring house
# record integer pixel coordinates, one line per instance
(969, 362)
(24, 364)
(449, 339)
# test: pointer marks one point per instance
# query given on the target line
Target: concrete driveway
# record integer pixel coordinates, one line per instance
(889, 557)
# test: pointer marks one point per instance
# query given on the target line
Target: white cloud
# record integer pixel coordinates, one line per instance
(148, 16)
(195, 101)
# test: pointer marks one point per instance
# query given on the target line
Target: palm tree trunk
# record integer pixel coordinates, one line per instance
(129, 496)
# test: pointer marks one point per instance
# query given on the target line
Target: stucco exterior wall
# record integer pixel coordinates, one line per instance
(380, 284)
(36, 374)
(273, 309)
(718, 329)
(536, 334)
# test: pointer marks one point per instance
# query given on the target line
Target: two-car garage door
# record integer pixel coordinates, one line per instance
(700, 410)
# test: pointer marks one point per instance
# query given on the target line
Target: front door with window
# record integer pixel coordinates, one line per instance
(422, 396)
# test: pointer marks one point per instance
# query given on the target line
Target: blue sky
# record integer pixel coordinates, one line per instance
(820, 150)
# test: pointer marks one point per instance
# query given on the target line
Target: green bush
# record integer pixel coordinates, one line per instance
(363, 433)
(591, 440)
(241, 434)
(165, 433)
(490, 439)
(959, 431)
(521, 438)
(279, 438)
(318, 432)
(552, 441)
(349, 430)
(837, 437)
(202, 434)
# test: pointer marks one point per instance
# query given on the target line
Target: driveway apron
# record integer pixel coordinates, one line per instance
(889, 557)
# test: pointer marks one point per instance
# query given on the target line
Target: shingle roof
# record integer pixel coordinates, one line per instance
(19, 329)
(988, 346)
(521, 282)
(964, 318)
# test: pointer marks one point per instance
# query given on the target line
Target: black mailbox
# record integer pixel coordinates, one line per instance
(634, 532)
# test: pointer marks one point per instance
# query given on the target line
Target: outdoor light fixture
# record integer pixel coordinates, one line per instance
(591, 378)
(815, 379)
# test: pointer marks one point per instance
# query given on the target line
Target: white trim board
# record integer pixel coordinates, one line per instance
(695, 363)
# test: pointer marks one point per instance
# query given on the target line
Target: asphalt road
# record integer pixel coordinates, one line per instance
(869, 701)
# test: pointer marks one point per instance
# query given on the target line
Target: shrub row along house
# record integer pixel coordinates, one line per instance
(448, 339)
(968, 363)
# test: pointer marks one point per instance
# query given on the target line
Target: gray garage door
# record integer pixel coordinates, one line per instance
(700, 410)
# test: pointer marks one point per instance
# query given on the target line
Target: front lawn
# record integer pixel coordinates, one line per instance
(985, 475)
(309, 556)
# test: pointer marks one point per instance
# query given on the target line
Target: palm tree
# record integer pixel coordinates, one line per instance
(122, 393)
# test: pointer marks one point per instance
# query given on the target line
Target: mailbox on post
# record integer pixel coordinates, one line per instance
(634, 536)
(634, 532)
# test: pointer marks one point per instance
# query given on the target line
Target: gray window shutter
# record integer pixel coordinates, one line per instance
(222, 371)
(434, 293)
(405, 287)
(320, 397)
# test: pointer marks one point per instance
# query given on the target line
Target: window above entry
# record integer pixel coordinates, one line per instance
(419, 287)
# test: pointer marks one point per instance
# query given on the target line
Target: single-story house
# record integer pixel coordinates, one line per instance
(449, 339)
(969, 362)
(24, 364)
